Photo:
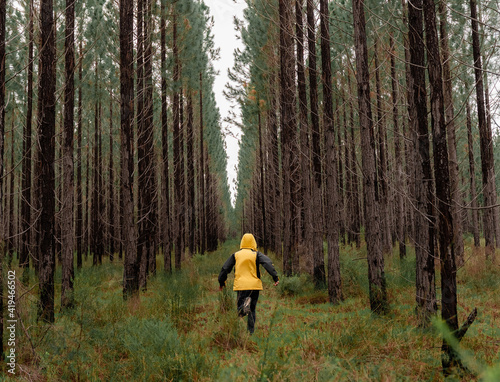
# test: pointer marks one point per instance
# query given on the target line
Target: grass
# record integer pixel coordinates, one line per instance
(183, 329)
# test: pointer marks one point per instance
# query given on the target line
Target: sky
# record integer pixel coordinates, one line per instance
(224, 12)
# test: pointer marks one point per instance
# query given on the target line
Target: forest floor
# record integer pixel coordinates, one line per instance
(183, 329)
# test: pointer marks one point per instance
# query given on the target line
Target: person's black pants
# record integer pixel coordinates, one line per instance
(254, 295)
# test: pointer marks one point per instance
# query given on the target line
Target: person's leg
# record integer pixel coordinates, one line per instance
(254, 294)
(242, 295)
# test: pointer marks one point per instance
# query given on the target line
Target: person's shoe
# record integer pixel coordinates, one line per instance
(246, 306)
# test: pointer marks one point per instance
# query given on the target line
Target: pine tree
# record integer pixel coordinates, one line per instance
(376, 276)
(288, 128)
(486, 146)
(317, 234)
(68, 173)
(45, 163)
(2, 133)
(26, 177)
(332, 205)
(130, 279)
(424, 226)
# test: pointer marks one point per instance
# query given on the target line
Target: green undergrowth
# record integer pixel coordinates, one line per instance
(182, 328)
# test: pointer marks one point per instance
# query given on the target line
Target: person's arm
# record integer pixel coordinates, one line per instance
(268, 265)
(226, 269)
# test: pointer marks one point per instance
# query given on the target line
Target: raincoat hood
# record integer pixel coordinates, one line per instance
(248, 241)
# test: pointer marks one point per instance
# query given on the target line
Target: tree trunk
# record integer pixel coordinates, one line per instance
(340, 182)
(167, 237)
(2, 132)
(111, 181)
(142, 202)
(398, 158)
(486, 142)
(68, 272)
(317, 230)
(305, 193)
(472, 179)
(151, 221)
(177, 150)
(45, 165)
(356, 221)
(86, 223)
(409, 132)
(376, 276)
(274, 184)
(24, 255)
(130, 280)
(96, 227)
(262, 187)
(446, 230)
(288, 127)
(425, 220)
(191, 216)
(496, 210)
(203, 214)
(182, 165)
(452, 145)
(332, 201)
(79, 190)
(349, 208)
(382, 165)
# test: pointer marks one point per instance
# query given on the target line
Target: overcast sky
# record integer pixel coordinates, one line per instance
(223, 12)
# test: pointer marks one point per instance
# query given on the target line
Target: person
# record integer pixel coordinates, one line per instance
(247, 282)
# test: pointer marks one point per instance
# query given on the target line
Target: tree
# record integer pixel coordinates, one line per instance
(376, 276)
(2, 132)
(317, 247)
(398, 158)
(382, 162)
(288, 128)
(167, 239)
(68, 174)
(178, 186)
(332, 204)
(424, 225)
(26, 178)
(451, 135)
(202, 215)
(446, 240)
(472, 177)
(305, 186)
(130, 280)
(45, 162)
(486, 141)
(79, 189)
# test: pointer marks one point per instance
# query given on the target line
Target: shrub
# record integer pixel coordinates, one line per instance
(295, 285)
